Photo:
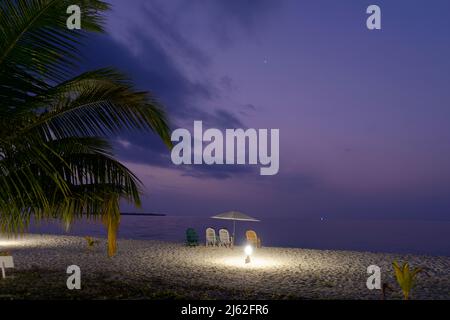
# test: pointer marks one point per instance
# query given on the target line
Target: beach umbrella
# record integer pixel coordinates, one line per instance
(235, 216)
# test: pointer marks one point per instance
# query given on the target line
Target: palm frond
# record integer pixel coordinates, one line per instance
(96, 103)
(54, 159)
(34, 38)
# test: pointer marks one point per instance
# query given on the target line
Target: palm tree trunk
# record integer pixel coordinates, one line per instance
(111, 219)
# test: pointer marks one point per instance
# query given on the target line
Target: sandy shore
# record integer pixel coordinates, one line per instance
(152, 269)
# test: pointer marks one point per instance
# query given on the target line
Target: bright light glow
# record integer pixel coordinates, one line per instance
(261, 259)
(25, 241)
(257, 263)
(9, 243)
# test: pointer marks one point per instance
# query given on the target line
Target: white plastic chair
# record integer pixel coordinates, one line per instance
(6, 262)
(224, 237)
(211, 239)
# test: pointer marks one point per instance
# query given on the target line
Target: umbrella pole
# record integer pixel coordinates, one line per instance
(234, 231)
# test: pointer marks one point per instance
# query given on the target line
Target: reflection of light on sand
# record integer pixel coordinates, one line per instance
(256, 262)
(26, 241)
(9, 243)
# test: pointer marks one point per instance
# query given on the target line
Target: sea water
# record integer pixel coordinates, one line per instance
(414, 236)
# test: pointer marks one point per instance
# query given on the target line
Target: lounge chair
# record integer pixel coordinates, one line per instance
(253, 239)
(224, 237)
(191, 237)
(211, 239)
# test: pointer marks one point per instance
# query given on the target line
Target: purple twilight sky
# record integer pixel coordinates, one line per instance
(363, 115)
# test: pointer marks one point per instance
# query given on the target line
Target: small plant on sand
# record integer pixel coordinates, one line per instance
(406, 277)
(91, 242)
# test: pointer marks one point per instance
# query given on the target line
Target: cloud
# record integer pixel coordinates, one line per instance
(233, 19)
(218, 118)
(247, 13)
(151, 44)
(219, 172)
(164, 30)
(248, 109)
(227, 84)
(124, 143)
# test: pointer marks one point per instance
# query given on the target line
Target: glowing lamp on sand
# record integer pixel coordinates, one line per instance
(248, 252)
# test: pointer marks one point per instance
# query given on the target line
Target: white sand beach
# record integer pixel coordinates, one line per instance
(221, 272)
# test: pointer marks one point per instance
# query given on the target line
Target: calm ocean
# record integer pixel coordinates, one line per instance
(418, 237)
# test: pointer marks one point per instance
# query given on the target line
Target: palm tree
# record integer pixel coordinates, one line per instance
(55, 159)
